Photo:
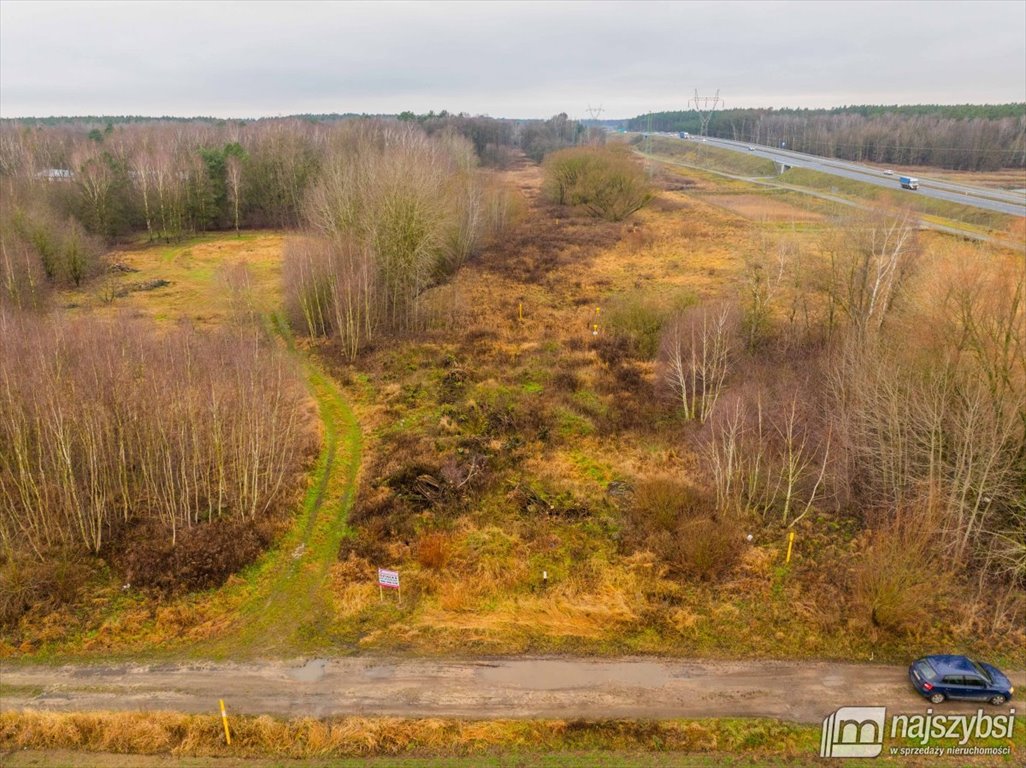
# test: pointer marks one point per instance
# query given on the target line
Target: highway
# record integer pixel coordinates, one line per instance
(1001, 201)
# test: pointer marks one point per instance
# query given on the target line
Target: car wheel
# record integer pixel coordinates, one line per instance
(998, 700)
(937, 698)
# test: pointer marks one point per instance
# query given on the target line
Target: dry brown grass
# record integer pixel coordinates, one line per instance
(763, 208)
(517, 322)
(572, 608)
(181, 735)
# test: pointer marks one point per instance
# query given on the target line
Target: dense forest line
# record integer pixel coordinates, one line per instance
(962, 137)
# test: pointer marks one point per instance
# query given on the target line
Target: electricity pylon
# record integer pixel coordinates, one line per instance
(706, 106)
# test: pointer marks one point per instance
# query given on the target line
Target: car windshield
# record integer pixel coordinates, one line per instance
(983, 673)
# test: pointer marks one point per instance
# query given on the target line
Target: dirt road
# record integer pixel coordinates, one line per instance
(500, 688)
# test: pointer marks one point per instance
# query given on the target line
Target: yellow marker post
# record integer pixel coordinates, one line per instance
(790, 543)
(224, 719)
(520, 311)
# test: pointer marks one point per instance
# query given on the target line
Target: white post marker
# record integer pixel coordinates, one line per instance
(389, 580)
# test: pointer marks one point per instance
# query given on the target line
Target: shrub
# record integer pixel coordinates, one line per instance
(605, 181)
(662, 504)
(634, 321)
(30, 583)
(896, 582)
(393, 213)
(673, 520)
(704, 548)
(203, 556)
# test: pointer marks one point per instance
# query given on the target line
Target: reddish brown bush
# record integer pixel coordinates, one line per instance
(203, 556)
(433, 551)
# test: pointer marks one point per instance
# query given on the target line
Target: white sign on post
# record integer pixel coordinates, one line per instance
(389, 579)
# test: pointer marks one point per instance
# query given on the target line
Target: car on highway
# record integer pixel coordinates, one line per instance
(888, 173)
(947, 676)
(751, 149)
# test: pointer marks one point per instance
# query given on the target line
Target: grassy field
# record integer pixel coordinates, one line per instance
(490, 447)
(210, 279)
(506, 381)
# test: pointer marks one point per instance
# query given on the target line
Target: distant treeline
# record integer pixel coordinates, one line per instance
(978, 137)
(174, 177)
(104, 120)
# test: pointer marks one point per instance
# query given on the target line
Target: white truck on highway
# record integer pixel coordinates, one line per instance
(909, 182)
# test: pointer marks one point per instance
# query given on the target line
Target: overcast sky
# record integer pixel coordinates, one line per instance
(516, 59)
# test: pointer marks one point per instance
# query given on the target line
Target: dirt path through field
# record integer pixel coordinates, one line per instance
(484, 688)
(289, 607)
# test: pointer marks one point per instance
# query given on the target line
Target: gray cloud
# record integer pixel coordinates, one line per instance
(526, 59)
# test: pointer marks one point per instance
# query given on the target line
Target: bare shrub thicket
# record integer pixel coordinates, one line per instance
(607, 182)
(872, 258)
(109, 425)
(40, 248)
(764, 456)
(695, 355)
(912, 394)
(942, 420)
(394, 212)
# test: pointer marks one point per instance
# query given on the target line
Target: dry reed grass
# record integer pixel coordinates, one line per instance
(150, 733)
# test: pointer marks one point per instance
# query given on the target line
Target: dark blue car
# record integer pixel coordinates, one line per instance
(958, 677)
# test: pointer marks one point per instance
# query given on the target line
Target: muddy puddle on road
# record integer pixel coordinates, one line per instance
(310, 672)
